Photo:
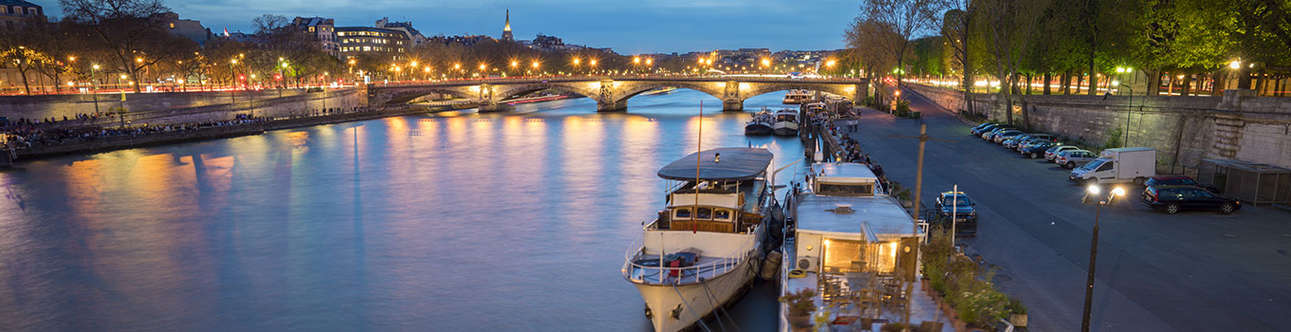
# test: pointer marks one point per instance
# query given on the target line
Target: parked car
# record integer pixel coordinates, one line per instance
(1012, 142)
(1036, 138)
(1036, 141)
(1074, 158)
(1036, 148)
(1003, 135)
(1176, 181)
(1175, 199)
(1053, 151)
(979, 129)
(962, 208)
(987, 135)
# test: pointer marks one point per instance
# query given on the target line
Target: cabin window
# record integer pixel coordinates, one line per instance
(842, 256)
(722, 214)
(704, 213)
(846, 189)
(681, 213)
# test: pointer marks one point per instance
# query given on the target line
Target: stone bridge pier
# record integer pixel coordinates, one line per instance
(611, 94)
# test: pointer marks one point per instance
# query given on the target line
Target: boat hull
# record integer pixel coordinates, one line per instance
(758, 129)
(663, 300)
(786, 128)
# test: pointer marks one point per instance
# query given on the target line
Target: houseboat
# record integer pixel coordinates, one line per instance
(797, 96)
(786, 123)
(760, 124)
(852, 244)
(706, 245)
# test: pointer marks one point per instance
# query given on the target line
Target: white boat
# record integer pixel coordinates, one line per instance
(761, 124)
(797, 96)
(852, 244)
(786, 122)
(705, 247)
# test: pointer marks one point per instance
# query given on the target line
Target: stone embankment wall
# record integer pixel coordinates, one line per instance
(1184, 130)
(174, 107)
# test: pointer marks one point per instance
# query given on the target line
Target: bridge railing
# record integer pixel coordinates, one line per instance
(562, 78)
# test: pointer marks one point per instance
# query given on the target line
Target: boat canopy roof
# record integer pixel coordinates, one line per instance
(735, 164)
(880, 215)
(844, 172)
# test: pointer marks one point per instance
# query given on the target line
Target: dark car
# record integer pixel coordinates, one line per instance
(981, 128)
(1176, 180)
(965, 212)
(1036, 148)
(1179, 198)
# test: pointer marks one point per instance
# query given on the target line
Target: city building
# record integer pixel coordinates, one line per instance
(191, 29)
(412, 34)
(358, 40)
(462, 40)
(506, 30)
(16, 13)
(323, 30)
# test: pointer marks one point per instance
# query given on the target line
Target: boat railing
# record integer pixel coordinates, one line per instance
(653, 274)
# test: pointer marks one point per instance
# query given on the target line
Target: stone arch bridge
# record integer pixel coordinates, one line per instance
(611, 93)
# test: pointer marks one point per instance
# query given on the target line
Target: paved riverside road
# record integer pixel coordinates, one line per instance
(1195, 271)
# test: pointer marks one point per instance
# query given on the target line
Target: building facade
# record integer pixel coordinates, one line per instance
(412, 34)
(191, 29)
(16, 13)
(364, 40)
(323, 30)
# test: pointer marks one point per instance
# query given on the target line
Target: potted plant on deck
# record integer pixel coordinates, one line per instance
(801, 304)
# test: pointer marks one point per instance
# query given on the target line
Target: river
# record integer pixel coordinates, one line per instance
(454, 221)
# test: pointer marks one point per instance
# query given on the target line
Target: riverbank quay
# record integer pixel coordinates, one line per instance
(154, 135)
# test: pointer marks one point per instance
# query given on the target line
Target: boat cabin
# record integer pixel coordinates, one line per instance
(720, 192)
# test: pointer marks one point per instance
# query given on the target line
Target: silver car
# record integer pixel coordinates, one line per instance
(1074, 158)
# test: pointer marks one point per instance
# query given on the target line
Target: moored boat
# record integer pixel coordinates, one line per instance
(786, 122)
(700, 251)
(760, 124)
(797, 96)
(852, 244)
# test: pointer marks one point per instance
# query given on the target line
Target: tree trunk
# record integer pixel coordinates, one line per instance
(1215, 85)
(1244, 78)
(26, 87)
(1047, 78)
(1066, 82)
(1153, 87)
(1187, 82)
(1080, 82)
(1029, 84)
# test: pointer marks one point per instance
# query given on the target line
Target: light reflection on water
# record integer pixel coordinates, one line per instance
(448, 222)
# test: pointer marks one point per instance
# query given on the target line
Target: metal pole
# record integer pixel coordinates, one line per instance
(1128, 111)
(954, 214)
(1089, 281)
(94, 73)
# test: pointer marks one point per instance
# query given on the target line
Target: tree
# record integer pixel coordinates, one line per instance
(24, 60)
(130, 30)
(955, 27)
(905, 18)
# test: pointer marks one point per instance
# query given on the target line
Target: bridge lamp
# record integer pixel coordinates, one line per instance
(483, 66)
(534, 64)
(592, 62)
(649, 62)
(766, 62)
(636, 60)
(515, 64)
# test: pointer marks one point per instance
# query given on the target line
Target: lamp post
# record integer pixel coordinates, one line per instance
(233, 79)
(94, 76)
(1093, 249)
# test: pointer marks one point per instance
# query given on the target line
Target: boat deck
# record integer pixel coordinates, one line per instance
(705, 268)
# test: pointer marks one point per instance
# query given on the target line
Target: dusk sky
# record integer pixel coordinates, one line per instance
(627, 26)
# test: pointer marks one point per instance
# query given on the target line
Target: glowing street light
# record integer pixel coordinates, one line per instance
(534, 64)
(1093, 190)
(1235, 64)
(830, 63)
(515, 64)
(766, 62)
(636, 60)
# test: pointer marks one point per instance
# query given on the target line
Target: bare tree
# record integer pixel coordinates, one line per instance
(905, 17)
(131, 30)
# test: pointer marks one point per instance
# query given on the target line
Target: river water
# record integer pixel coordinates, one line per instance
(448, 222)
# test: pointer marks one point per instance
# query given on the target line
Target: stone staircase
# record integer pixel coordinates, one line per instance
(1228, 136)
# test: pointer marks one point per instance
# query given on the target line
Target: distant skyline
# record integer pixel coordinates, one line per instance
(629, 27)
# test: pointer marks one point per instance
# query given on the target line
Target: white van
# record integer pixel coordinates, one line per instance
(1117, 166)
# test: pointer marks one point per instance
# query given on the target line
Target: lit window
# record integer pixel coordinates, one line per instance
(704, 213)
(172, 25)
(721, 214)
(681, 213)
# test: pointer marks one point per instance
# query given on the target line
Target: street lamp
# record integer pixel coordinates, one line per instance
(94, 75)
(1094, 191)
